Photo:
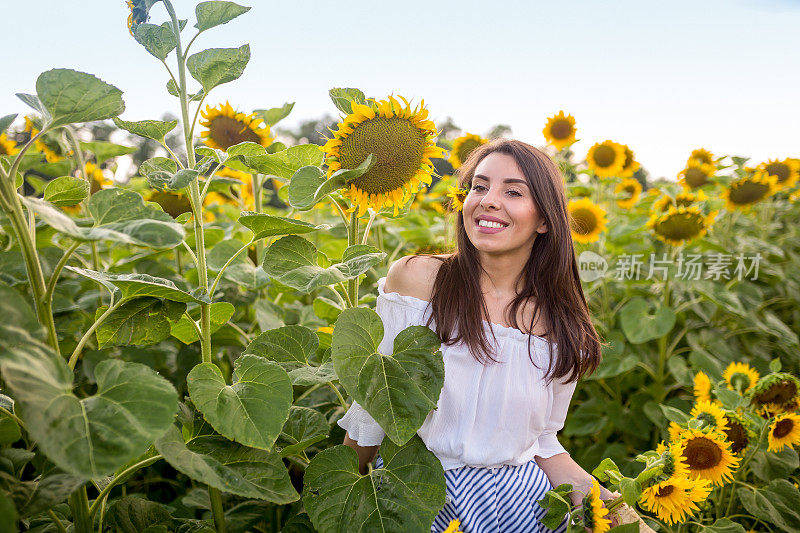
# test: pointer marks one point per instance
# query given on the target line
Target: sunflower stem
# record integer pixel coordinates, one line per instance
(352, 238)
(217, 509)
(372, 216)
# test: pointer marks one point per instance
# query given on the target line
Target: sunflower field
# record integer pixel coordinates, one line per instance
(178, 347)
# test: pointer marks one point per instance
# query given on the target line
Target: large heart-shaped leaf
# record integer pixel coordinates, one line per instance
(159, 41)
(251, 411)
(211, 14)
(91, 436)
(139, 285)
(403, 496)
(294, 348)
(216, 66)
(139, 322)
(308, 187)
(66, 190)
(150, 129)
(640, 325)
(397, 389)
(71, 96)
(274, 115)
(263, 225)
(286, 162)
(292, 260)
(228, 466)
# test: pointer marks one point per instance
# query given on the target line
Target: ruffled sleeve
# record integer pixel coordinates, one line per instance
(548, 442)
(397, 311)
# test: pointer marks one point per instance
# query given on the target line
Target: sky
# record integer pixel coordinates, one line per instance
(663, 78)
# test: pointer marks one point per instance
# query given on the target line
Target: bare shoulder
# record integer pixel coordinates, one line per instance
(413, 276)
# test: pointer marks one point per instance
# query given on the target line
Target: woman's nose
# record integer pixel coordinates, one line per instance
(490, 199)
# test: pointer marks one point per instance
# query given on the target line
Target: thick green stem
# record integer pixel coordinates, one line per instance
(73, 359)
(79, 505)
(59, 526)
(51, 285)
(258, 206)
(226, 265)
(352, 238)
(339, 395)
(216, 509)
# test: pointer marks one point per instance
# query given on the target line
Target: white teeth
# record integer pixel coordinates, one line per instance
(489, 224)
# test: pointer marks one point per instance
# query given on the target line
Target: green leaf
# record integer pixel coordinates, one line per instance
(557, 505)
(276, 114)
(210, 14)
(343, 98)
(93, 436)
(104, 151)
(216, 66)
(294, 348)
(403, 496)
(674, 415)
(66, 190)
(71, 96)
(159, 171)
(303, 428)
(292, 260)
(7, 120)
(631, 490)
(253, 410)
(139, 322)
(33, 101)
(54, 217)
(159, 41)
(286, 162)
(140, 285)
(723, 525)
(132, 514)
(150, 129)
(173, 90)
(415, 371)
(245, 148)
(122, 215)
(263, 225)
(307, 187)
(777, 465)
(606, 465)
(299, 523)
(8, 515)
(639, 325)
(777, 503)
(36, 496)
(16, 309)
(626, 528)
(775, 365)
(183, 330)
(229, 467)
(9, 430)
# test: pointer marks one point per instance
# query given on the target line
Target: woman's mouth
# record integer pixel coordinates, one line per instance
(486, 226)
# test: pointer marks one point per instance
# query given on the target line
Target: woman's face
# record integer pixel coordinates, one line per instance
(500, 191)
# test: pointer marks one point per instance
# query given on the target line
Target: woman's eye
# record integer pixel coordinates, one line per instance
(476, 187)
(516, 193)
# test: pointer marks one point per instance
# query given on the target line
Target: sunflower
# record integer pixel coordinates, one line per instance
(587, 220)
(594, 511)
(784, 431)
(606, 159)
(702, 387)
(453, 526)
(457, 196)
(8, 146)
(745, 192)
(401, 140)
(710, 414)
(778, 390)
(138, 13)
(682, 199)
(696, 174)
(680, 224)
(674, 431)
(560, 130)
(631, 165)
(50, 155)
(246, 192)
(737, 433)
(787, 172)
(97, 178)
(676, 498)
(740, 376)
(629, 189)
(708, 455)
(226, 127)
(173, 203)
(702, 156)
(463, 146)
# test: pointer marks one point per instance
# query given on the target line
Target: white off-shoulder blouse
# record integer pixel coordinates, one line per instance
(487, 415)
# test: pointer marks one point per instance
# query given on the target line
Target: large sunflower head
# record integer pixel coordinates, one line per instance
(463, 146)
(8, 146)
(560, 130)
(606, 159)
(702, 156)
(594, 511)
(628, 190)
(708, 455)
(784, 431)
(401, 140)
(737, 433)
(740, 376)
(747, 191)
(710, 414)
(227, 127)
(702, 387)
(696, 174)
(779, 390)
(587, 220)
(787, 172)
(630, 166)
(675, 499)
(680, 224)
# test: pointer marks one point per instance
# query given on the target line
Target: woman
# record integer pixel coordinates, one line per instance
(514, 278)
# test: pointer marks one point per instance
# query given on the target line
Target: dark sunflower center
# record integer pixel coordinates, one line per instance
(780, 393)
(702, 453)
(680, 226)
(466, 148)
(584, 221)
(604, 156)
(561, 129)
(736, 435)
(783, 428)
(397, 146)
(695, 177)
(748, 192)
(226, 132)
(779, 169)
(663, 492)
(628, 191)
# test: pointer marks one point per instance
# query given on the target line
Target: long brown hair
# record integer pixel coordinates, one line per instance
(550, 275)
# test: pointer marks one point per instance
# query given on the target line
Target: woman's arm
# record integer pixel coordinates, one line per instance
(366, 454)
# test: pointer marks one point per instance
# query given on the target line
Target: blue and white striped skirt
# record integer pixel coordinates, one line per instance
(494, 500)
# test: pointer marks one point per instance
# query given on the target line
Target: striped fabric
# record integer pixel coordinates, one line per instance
(494, 500)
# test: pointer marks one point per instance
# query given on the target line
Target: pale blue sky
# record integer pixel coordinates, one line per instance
(662, 77)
